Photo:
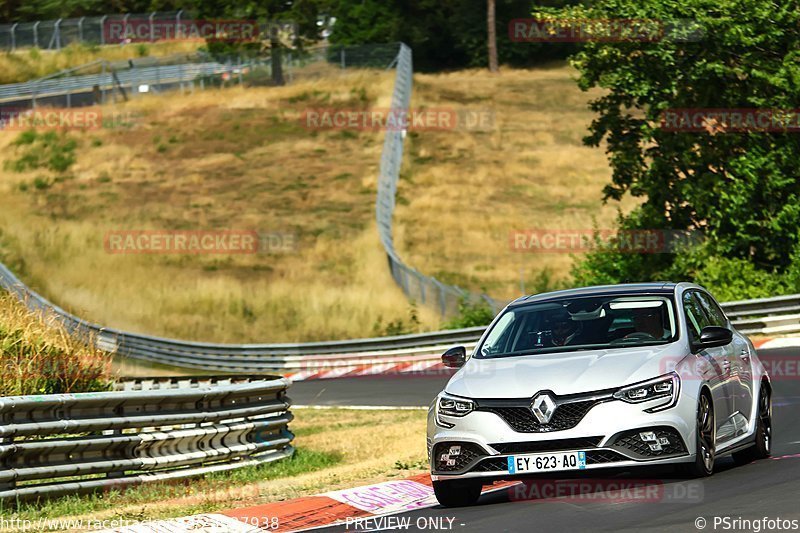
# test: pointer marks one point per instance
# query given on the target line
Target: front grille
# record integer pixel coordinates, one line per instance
(547, 446)
(632, 443)
(521, 419)
(494, 464)
(455, 456)
(595, 457)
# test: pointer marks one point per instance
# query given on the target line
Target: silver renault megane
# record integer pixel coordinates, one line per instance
(601, 377)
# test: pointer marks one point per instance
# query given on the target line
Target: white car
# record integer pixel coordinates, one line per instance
(602, 377)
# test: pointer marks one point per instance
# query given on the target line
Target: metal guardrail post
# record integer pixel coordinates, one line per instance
(5, 462)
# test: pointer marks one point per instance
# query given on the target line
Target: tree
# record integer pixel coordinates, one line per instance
(303, 14)
(492, 30)
(444, 34)
(739, 190)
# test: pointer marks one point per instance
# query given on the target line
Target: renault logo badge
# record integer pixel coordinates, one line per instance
(543, 406)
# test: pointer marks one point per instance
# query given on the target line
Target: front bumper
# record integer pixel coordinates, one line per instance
(608, 431)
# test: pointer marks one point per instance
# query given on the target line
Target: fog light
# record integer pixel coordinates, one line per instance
(655, 448)
(648, 436)
(454, 450)
(664, 441)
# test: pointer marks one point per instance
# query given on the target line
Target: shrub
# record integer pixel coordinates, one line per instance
(38, 356)
(471, 314)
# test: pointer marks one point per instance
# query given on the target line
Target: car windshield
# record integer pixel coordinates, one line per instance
(586, 323)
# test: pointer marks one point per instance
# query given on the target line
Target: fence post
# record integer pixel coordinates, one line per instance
(125, 25)
(80, 29)
(14, 36)
(36, 34)
(57, 33)
(342, 59)
(178, 23)
(103, 28)
(240, 71)
(152, 29)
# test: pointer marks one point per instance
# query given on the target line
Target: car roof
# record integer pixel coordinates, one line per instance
(659, 287)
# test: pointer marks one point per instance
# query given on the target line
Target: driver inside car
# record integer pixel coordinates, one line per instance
(564, 330)
(648, 323)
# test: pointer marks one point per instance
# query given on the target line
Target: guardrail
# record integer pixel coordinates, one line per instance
(106, 81)
(764, 316)
(58, 444)
(417, 286)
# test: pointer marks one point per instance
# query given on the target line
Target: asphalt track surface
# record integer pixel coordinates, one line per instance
(765, 489)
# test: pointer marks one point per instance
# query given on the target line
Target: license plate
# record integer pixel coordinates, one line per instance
(546, 462)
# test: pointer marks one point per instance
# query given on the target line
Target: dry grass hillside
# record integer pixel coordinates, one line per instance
(234, 159)
(239, 159)
(464, 192)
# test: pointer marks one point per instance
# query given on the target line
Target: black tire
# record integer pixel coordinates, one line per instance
(706, 431)
(762, 448)
(457, 493)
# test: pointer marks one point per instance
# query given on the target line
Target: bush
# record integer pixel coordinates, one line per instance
(728, 278)
(470, 315)
(50, 150)
(38, 356)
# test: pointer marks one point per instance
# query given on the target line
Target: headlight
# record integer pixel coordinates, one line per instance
(666, 387)
(452, 406)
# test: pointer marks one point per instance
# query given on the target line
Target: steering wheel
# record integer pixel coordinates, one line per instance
(639, 336)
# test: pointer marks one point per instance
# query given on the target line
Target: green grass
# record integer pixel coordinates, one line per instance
(303, 461)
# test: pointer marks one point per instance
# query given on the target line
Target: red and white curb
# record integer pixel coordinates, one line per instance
(364, 504)
(780, 342)
(429, 366)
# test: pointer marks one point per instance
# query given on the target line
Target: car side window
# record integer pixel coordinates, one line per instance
(712, 309)
(696, 318)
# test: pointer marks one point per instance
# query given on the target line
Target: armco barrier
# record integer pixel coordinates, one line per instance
(763, 316)
(50, 444)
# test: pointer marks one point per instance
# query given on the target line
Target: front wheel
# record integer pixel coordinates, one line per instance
(706, 431)
(763, 445)
(457, 493)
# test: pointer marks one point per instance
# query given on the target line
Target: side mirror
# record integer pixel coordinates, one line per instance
(712, 337)
(455, 357)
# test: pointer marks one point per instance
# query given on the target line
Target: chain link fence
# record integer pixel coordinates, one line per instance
(104, 82)
(417, 286)
(57, 34)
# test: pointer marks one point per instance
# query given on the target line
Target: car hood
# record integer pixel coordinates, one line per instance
(562, 373)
